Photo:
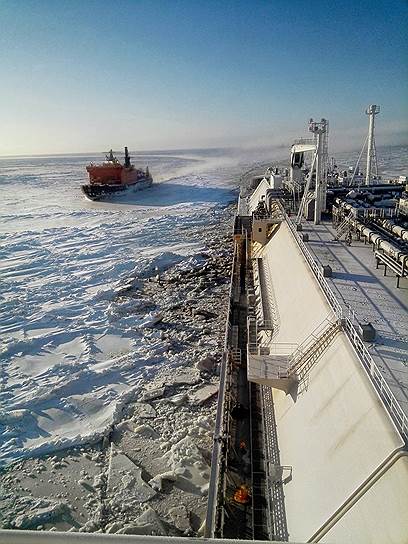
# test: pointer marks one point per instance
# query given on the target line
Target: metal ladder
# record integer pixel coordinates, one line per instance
(303, 361)
(343, 228)
(264, 283)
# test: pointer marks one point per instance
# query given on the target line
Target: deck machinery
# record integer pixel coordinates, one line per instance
(312, 423)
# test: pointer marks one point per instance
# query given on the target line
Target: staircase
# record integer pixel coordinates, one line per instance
(308, 353)
(286, 364)
(252, 335)
(266, 321)
(265, 307)
(343, 228)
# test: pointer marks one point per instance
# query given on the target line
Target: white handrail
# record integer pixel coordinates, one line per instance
(17, 536)
(312, 340)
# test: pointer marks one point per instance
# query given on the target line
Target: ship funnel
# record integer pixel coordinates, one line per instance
(127, 158)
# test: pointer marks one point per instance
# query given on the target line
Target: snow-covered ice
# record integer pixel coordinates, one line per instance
(73, 348)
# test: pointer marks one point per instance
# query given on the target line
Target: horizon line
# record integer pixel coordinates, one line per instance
(176, 150)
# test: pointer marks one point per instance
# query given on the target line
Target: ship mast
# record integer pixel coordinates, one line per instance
(371, 111)
(320, 132)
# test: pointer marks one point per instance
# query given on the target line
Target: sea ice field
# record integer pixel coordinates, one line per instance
(111, 327)
(112, 318)
(63, 261)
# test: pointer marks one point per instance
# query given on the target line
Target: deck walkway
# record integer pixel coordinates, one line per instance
(372, 297)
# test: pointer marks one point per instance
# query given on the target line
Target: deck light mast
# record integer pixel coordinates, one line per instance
(371, 111)
(319, 129)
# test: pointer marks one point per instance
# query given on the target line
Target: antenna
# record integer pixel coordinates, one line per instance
(371, 111)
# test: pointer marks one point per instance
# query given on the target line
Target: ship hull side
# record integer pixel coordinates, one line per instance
(104, 191)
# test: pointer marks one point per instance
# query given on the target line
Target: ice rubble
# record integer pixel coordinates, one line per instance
(30, 512)
(75, 373)
(188, 468)
(164, 425)
(125, 482)
(99, 342)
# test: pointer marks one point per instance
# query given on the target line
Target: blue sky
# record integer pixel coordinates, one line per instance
(89, 75)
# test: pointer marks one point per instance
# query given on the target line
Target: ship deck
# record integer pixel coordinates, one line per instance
(311, 433)
(373, 297)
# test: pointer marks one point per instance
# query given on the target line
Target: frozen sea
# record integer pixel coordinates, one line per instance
(65, 371)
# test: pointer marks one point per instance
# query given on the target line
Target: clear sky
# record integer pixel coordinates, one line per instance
(78, 76)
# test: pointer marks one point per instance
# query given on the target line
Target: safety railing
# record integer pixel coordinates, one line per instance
(283, 359)
(273, 306)
(266, 300)
(317, 271)
(18, 536)
(377, 379)
(343, 227)
(276, 498)
(265, 325)
(263, 305)
(266, 369)
(311, 340)
(376, 213)
(304, 141)
(274, 364)
(301, 365)
(236, 288)
(216, 483)
(268, 217)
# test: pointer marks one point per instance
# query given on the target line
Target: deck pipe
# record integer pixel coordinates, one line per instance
(375, 189)
(399, 231)
(374, 238)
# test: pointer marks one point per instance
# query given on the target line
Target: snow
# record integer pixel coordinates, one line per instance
(75, 349)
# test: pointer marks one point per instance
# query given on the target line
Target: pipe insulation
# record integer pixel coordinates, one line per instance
(389, 225)
(374, 238)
